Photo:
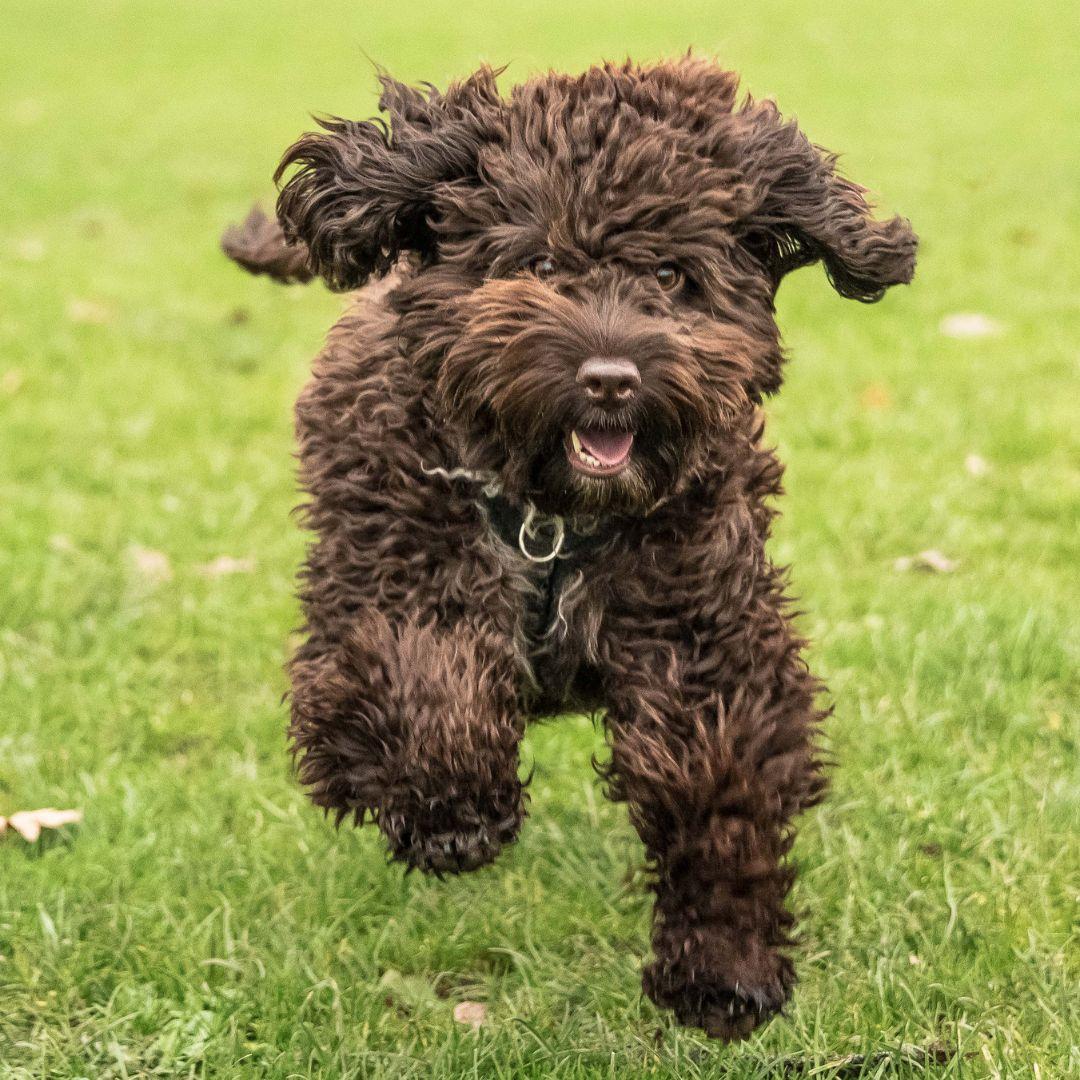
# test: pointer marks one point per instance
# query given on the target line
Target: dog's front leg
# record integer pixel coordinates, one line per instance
(713, 776)
(416, 726)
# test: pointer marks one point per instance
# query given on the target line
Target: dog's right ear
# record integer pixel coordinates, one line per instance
(363, 193)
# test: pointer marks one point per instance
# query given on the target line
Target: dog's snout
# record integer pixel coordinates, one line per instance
(609, 380)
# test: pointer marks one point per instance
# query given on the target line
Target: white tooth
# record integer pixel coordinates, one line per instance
(575, 442)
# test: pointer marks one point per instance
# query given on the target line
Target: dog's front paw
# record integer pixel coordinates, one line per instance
(727, 1000)
(450, 835)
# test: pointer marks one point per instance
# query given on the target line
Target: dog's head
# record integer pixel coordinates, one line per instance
(592, 262)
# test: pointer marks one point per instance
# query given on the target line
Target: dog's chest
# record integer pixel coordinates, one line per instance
(557, 560)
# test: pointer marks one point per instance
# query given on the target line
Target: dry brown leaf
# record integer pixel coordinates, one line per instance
(88, 312)
(875, 397)
(11, 382)
(152, 565)
(929, 560)
(224, 565)
(470, 1013)
(970, 324)
(977, 466)
(29, 823)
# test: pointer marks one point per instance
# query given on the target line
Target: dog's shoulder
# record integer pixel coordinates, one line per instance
(363, 342)
(360, 381)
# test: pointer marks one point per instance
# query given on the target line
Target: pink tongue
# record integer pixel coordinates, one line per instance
(608, 447)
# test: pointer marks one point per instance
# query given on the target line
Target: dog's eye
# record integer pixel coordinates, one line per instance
(543, 266)
(669, 278)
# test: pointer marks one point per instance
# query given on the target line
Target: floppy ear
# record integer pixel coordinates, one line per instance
(363, 193)
(807, 213)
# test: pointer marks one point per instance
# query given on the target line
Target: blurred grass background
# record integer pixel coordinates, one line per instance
(204, 921)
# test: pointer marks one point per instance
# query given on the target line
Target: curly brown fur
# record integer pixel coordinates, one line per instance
(580, 319)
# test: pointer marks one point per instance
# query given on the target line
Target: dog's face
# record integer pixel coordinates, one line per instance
(593, 263)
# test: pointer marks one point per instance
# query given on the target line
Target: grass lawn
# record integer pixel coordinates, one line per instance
(204, 920)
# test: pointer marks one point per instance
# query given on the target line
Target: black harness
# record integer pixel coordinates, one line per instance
(553, 549)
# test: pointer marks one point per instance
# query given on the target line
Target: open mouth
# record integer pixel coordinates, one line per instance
(599, 451)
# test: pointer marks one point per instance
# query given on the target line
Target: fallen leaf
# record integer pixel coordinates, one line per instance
(929, 560)
(471, 1013)
(875, 397)
(30, 249)
(226, 564)
(88, 312)
(970, 324)
(11, 382)
(152, 565)
(29, 823)
(977, 466)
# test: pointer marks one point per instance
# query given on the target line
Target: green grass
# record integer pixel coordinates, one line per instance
(204, 920)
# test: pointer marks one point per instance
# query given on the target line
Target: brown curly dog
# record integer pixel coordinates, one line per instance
(537, 483)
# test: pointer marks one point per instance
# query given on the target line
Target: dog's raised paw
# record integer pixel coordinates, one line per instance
(447, 838)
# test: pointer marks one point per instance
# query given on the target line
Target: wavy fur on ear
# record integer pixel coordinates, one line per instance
(363, 192)
(808, 212)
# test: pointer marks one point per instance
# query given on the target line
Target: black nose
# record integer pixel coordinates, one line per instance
(609, 380)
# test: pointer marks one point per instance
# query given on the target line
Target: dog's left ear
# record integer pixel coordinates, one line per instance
(807, 213)
(363, 193)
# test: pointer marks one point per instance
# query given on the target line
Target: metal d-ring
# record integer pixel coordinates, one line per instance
(526, 530)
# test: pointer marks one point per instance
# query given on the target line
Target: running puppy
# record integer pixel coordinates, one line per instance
(537, 481)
